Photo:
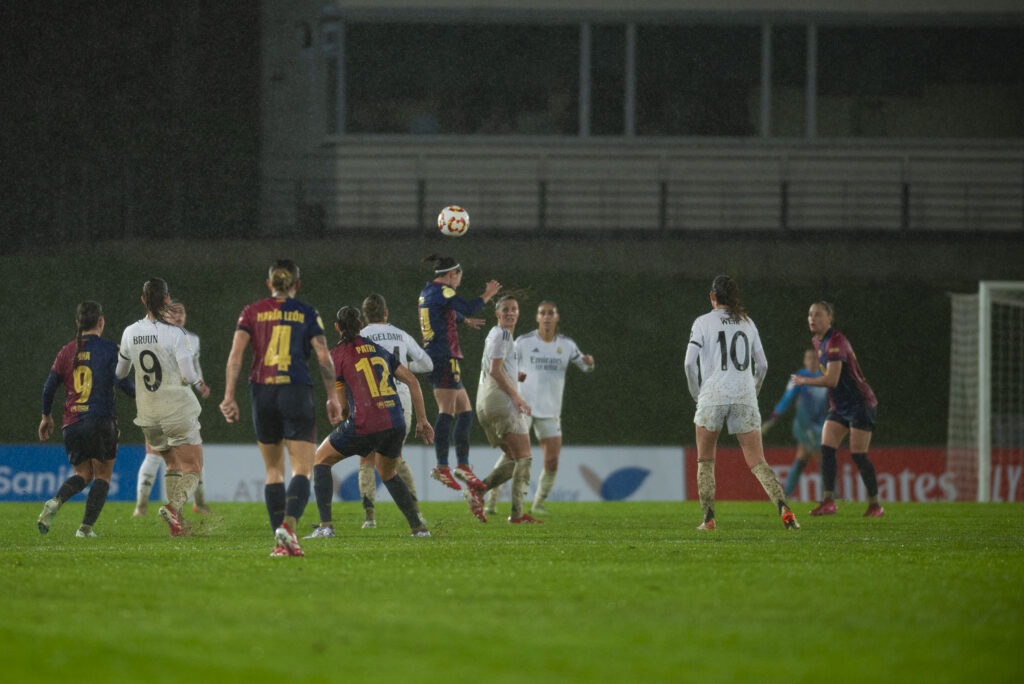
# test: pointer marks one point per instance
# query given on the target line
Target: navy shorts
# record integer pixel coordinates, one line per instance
(283, 412)
(91, 438)
(347, 442)
(446, 374)
(862, 418)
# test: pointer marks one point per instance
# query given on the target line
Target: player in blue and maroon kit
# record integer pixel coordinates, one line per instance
(376, 423)
(852, 407)
(440, 313)
(85, 366)
(283, 331)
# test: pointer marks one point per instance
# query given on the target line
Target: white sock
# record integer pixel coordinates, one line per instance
(200, 494)
(147, 476)
(405, 473)
(547, 481)
(520, 485)
(184, 492)
(494, 494)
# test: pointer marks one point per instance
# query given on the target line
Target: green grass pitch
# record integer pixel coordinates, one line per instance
(624, 592)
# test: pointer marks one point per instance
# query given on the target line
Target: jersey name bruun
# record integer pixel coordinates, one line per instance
(731, 364)
(545, 364)
(158, 351)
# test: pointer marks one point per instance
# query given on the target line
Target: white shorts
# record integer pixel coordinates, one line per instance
(406, 399)
(739, 418)
(166, 435)
(497, 424)
(544, 428)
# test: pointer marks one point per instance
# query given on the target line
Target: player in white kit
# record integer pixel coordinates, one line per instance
(725, 366)
(503, 414)
(410, 354)
(176, 315)
(544, 355)
(168, 411)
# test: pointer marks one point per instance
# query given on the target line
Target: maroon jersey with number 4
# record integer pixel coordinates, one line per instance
(282, 332)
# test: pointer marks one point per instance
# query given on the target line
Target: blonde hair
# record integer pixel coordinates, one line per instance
(283, 275)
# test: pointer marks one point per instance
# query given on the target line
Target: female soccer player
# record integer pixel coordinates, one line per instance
(852, 406)
(176, 315)
(404, 348)
(440, 313)
(376, 423)
(85, 366)
(809, 418)
(282, 331)
(168, 411)
(725, 366)
(503, 414)
(544, 355)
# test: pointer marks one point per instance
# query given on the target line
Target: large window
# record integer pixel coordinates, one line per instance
(677, 80)
(462, 79)
(921, 82)
(789, 82)
(698, 80)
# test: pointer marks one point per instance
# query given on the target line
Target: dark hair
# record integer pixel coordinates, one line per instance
(154, 296)
(827, 306)
(348, 323)
(87, 317)
(727, 294)
(374, 307)
(554, 306)
(283, 274)
(443, 264)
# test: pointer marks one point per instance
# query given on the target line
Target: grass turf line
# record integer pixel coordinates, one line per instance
(602, 592)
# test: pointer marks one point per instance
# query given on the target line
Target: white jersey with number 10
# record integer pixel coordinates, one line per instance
(725, 362)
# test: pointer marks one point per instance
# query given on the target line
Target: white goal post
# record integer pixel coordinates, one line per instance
(986, 391)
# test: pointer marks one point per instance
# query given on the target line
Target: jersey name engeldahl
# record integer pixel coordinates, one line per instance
(144, 339)
(382, 336)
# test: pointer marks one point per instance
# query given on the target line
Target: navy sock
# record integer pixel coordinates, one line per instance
(71, 486)
(463, 422)
(828, 468)
(442, 437)
(94, 502)
(867, 472)
(399, 491)
(323, 487)
(274, 495)
(298, 496)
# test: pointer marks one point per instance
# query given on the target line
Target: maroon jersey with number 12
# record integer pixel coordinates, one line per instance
(367, 373)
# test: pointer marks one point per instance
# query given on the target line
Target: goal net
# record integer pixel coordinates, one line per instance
(985, 441)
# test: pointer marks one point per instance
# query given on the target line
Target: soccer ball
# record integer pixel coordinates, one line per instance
(453, 221)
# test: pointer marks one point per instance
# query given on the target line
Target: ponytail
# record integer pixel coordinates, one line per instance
(87, 317)
(727, 294)
(154, 296)
(348, 323)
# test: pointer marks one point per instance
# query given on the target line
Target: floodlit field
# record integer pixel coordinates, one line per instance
(602, 592)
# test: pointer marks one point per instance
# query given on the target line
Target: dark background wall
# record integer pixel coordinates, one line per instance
(126, 120)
